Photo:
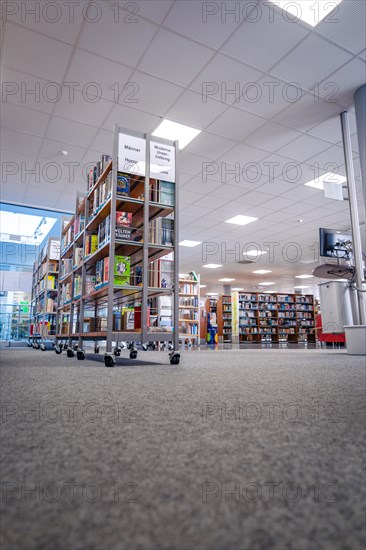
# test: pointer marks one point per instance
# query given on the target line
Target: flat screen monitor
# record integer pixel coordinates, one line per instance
(334, 243)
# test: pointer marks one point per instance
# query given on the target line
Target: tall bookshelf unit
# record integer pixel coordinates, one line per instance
(189, 304)
(265, 317)
(224, 319)
(44, 295)
(129, 257)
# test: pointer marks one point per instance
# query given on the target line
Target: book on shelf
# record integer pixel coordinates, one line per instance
(78, 256)
(97, 170)
(161, 231)
(121, 270)
(91, 244)
(123, 184)
(79, 224)
(123, 225)
(90, 282)
(77, 286)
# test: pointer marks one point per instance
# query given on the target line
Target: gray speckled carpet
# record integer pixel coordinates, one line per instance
(234, 450)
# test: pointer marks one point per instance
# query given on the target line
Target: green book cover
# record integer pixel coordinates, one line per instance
(122, 270)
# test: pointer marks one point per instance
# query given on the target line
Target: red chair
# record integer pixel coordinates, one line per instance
(335, 338)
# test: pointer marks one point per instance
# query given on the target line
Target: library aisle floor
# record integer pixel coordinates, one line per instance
(231, 450)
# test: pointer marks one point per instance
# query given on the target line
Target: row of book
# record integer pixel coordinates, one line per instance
(161, 231)
(68, 236)
(188, 328)
(188, 314)
(97, 170)
(66, 267)
(191, 301)
(188, 288)
(162, 192)
(79, 224)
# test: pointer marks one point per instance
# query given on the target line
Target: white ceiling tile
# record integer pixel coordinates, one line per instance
(15, 86)
(349, 15)
(83, 107)
(226, 80)
(341, 85)
(303, 147)
(297, 65)
(51, 149)
(32, 53)
(174, 58)
(55, 19)
(301, 192)
(268, 97)
(272, 136)
(66, 202)
(244, 155)
(186, 197)
(194, 164)
(13, 192)
(69, 131)
(86, 68)
(297, 209)
(209, 145)
(277, 166)
(190, 110)
(330, 130)
(103, 141)
(131, 118)
(151, 94)
(155, 11)
(275, 37)
(20, 143)
(197, 185)
(362, 54)
(328, 160)
(236, 124)
(228, 192)
(254, 198)
(306, 113)
(183, 178)
(24, 120)
(114, 41)
(16, 167)
(276, 187)
(278, 203)
(191, 19)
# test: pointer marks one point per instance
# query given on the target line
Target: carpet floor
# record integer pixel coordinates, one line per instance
(230, 450)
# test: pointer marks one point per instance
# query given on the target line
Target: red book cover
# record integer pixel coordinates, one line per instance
(123, 219)
(106, 270)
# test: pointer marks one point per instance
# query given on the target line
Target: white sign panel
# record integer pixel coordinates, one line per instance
(333, 190)
(162, 161)
(131, 154)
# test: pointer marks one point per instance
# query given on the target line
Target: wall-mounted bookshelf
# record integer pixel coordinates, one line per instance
(119, 253)
(273, 317)
(44, 295)
(189, 303)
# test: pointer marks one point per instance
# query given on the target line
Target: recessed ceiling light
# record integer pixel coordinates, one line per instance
(300, 286)
(262, 271)
(266, 283)
(300, 221)
(168, 129)
(212, 293)
(328, 177)
(237, 288)
(254, 253)
(303, 276)
(189, 243)
(203, 286)
(64, 153)
(226, 280)
(212, 266)
(311, 13)
(241, 220)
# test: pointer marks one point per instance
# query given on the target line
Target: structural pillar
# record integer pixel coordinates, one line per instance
(360, 110)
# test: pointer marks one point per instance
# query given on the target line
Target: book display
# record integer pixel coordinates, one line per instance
(118, 252)
(272, 317)
(44, 295)
(189, 299)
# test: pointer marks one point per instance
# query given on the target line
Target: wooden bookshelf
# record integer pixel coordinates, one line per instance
(189, 308)
(224, 319)
(274, 317)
